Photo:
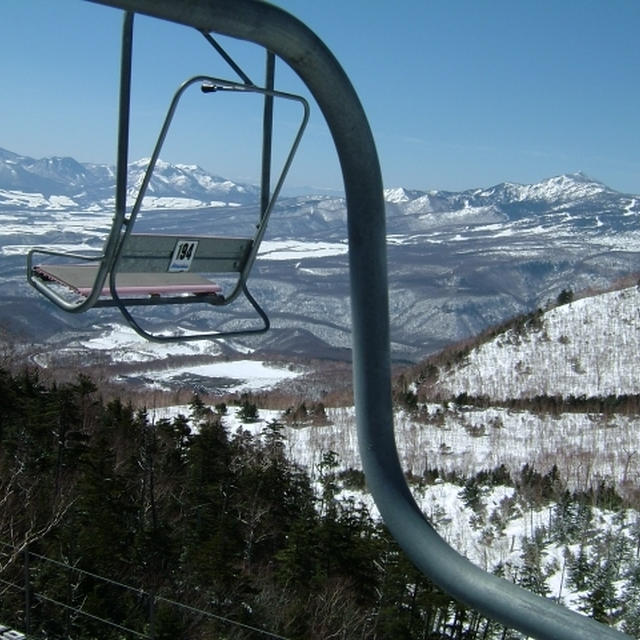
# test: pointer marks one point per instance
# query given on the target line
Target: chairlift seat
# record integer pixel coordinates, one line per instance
(154, 264)
(138, 269)
(81, 277)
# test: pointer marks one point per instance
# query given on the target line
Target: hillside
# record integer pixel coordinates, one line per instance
(588, 347)
(524, 483)
(533, 489)
(544, 493)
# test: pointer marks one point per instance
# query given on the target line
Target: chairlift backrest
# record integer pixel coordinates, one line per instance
(157, 253)
(152, 265)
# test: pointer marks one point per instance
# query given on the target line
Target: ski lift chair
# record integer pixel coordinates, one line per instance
(146, 269)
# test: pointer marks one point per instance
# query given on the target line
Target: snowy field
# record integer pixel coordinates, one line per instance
(296, 250)
(122, 345)
(247, 375)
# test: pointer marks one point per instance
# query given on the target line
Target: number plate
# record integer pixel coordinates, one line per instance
(183, 255)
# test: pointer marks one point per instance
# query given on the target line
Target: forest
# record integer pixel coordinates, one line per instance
(113, 525)
(167, 513)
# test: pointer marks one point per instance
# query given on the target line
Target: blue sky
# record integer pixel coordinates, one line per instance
(459, 93)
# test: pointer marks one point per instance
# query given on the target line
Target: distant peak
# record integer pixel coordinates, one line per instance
(396, 195)
(578, 176)
(141, 162)
(581, 176)
(574, 184)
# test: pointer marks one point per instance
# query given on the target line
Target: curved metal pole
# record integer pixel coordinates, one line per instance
(288, 38)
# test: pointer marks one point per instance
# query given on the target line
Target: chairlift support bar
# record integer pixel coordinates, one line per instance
(262, 23)
(267, 139)
(113, 241)
(226, 57)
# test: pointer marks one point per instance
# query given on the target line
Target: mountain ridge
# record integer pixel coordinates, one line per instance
(92, 185)
(457, 262)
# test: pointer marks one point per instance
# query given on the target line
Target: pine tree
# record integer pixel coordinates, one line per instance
(600, 601)
(248, 411)
(210, 539)
(579, 574)
(532, 575)
(631, 602)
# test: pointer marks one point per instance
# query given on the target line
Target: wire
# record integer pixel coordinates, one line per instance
(270, 634)
(92, 616)
(127, 587)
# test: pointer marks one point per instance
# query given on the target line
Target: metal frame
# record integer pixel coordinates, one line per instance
(209, 85)
(268, 200)
(288, 38)
(122, 225)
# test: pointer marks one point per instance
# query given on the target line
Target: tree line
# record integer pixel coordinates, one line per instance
(612, 404)
(185, 511)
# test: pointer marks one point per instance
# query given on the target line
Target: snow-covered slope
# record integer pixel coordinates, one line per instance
(586, 348)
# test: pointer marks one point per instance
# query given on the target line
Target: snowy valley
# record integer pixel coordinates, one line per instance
(458, 262)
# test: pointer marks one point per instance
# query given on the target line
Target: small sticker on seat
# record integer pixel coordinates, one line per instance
(183, 254)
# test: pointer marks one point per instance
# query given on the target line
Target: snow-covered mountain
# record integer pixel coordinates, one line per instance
(90, 185)
(66, 183)
(458, 262)
(63, 183)
(561, 198)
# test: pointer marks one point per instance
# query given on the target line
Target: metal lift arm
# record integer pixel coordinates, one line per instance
(288, 38)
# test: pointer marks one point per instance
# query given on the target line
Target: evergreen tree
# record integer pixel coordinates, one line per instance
(248, 411)
(565, 297)
(631, 602)
(579, 574)
(601, 601)
(532, 575)
(210, 537)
